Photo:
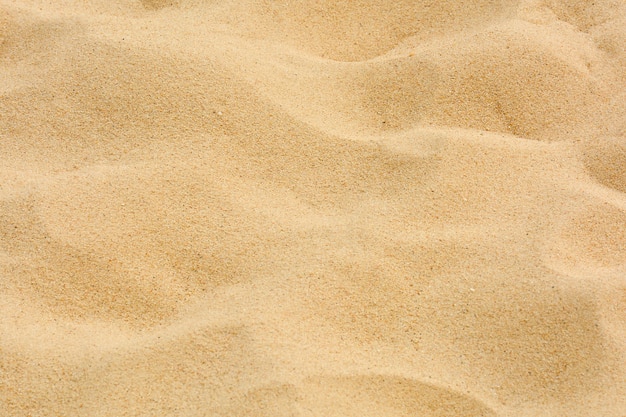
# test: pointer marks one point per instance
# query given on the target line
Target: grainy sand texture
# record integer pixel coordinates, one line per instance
(364, 208)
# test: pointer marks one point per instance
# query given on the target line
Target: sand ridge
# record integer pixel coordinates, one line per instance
(335, 208)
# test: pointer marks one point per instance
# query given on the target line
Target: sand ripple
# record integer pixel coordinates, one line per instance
(335, 208)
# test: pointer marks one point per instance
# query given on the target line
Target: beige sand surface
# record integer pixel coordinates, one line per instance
(312, 208)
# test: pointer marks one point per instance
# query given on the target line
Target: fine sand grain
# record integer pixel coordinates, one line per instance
(312, 208)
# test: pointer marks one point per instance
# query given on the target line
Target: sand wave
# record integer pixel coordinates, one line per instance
(259, 208)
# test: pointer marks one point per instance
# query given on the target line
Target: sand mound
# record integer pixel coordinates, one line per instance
(605, 160)
(337, 208)
(355, 30)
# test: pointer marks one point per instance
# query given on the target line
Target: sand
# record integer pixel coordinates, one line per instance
(312, 208)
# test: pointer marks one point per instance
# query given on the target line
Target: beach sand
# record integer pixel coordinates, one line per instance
(312, 208)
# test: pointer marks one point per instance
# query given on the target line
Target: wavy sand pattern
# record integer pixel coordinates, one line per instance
(313, 208)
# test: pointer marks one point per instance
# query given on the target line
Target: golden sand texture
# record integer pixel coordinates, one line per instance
(312, 208)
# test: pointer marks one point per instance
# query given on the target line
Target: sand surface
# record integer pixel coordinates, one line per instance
(312, 208)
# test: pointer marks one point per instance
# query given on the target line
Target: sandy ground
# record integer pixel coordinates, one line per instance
(312, 208)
